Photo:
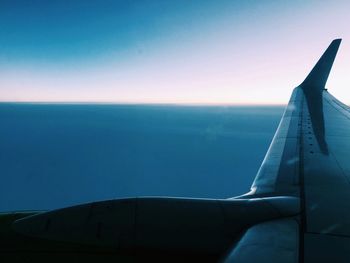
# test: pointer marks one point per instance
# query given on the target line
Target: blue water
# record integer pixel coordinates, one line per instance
(54, 155)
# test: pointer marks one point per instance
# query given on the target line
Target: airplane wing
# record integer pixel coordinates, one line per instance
(297, 209)
(308, 158)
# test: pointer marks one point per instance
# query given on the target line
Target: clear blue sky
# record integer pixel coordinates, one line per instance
(180, 51)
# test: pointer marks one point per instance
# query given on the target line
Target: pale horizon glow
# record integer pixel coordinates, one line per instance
(228, 54)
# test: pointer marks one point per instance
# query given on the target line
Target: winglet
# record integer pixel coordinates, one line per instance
(318, 76)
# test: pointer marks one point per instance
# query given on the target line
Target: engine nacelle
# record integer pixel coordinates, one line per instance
(181, 224)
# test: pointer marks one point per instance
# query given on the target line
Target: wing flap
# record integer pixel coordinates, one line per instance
(327, 170)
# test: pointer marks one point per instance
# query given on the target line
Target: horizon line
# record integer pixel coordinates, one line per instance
(233, 104)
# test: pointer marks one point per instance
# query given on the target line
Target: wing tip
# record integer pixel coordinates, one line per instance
(336, 43)
(318, 76)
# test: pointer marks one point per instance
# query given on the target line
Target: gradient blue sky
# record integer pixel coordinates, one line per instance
(180, 51)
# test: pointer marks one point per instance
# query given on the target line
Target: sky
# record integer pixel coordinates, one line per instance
(162, 51)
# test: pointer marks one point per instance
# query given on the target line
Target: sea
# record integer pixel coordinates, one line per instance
(57, 155)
